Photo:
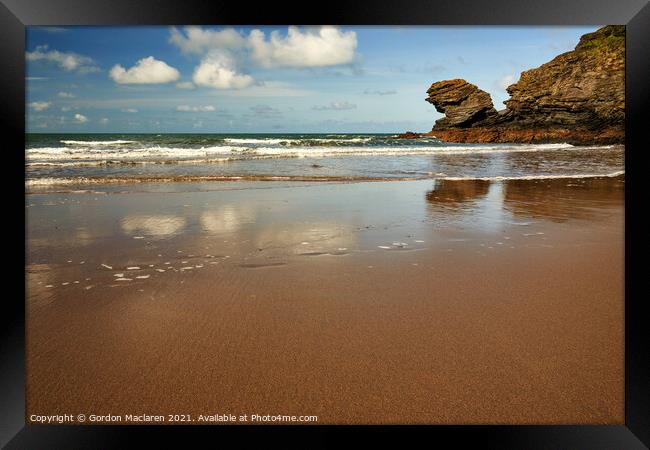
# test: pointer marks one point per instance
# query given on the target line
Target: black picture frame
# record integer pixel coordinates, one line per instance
(15, 15)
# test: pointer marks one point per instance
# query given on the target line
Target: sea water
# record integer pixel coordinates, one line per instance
(57, 159)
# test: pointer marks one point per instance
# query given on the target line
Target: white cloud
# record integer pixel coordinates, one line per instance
(218, 70)
(80, 118)
(315, 47)
(335, 106)
(185, 85)
(198, 40)
(188, 108)
(224, 51)
(67, 61)
(129, 110)
(103, 120)
(266, 111)
(388, 92)
(40, 106)
(146, 71)
(270, 89)
(506, 81)
(66, 95)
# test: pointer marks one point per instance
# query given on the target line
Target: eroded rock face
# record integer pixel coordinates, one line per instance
(462, 103)
(577, 97)
(584, 87)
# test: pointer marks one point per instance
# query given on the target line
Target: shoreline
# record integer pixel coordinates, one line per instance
(46, 183)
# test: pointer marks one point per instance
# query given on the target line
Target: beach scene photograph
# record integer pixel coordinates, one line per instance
(245, 225)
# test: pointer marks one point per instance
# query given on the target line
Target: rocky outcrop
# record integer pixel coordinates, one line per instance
(531, 135)
(578, 97)
(461, 102)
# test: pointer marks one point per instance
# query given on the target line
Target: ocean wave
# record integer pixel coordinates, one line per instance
(307, 142)
(53, 181)
(131, 162)
(257, 140)
(161, 154)
(95, 143)
(81, 153)
(320, 152)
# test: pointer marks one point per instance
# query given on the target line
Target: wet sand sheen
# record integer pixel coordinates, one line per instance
(507, 313)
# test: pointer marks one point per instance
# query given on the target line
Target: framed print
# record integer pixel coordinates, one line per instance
(420, 220)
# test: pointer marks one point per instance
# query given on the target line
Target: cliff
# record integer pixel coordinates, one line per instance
(578, 97)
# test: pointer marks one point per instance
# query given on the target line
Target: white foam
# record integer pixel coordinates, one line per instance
(96, 143)
(275, 141)
(88, 155)
(257, 141)
(82, 153)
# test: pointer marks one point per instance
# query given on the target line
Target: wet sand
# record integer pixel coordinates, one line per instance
(390, 302)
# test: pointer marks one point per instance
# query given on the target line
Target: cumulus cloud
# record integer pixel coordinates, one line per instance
(225, 51)
(198, 40)
(506, 81)
(129, 110)
(314, 47)
(66, 95)
(146, 71)
(188, 108)
(335, 106)
(68, 61)
(218, 70)
(185, 85)
(40, 106)
(103, 120)
(80, 118)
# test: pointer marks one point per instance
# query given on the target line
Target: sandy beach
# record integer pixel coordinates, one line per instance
(464, 302)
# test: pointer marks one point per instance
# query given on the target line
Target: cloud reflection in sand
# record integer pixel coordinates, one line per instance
(158, 225)
(227, 219)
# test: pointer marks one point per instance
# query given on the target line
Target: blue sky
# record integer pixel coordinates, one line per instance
(267, 79)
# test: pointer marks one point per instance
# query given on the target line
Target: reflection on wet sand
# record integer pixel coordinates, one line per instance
(308, 239)
(559, 200)
(152, 225)
(457, 191)
(227, 219)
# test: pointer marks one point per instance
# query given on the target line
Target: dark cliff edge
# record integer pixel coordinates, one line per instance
(578, 97)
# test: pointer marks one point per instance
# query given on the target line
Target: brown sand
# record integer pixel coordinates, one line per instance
(508, 312)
